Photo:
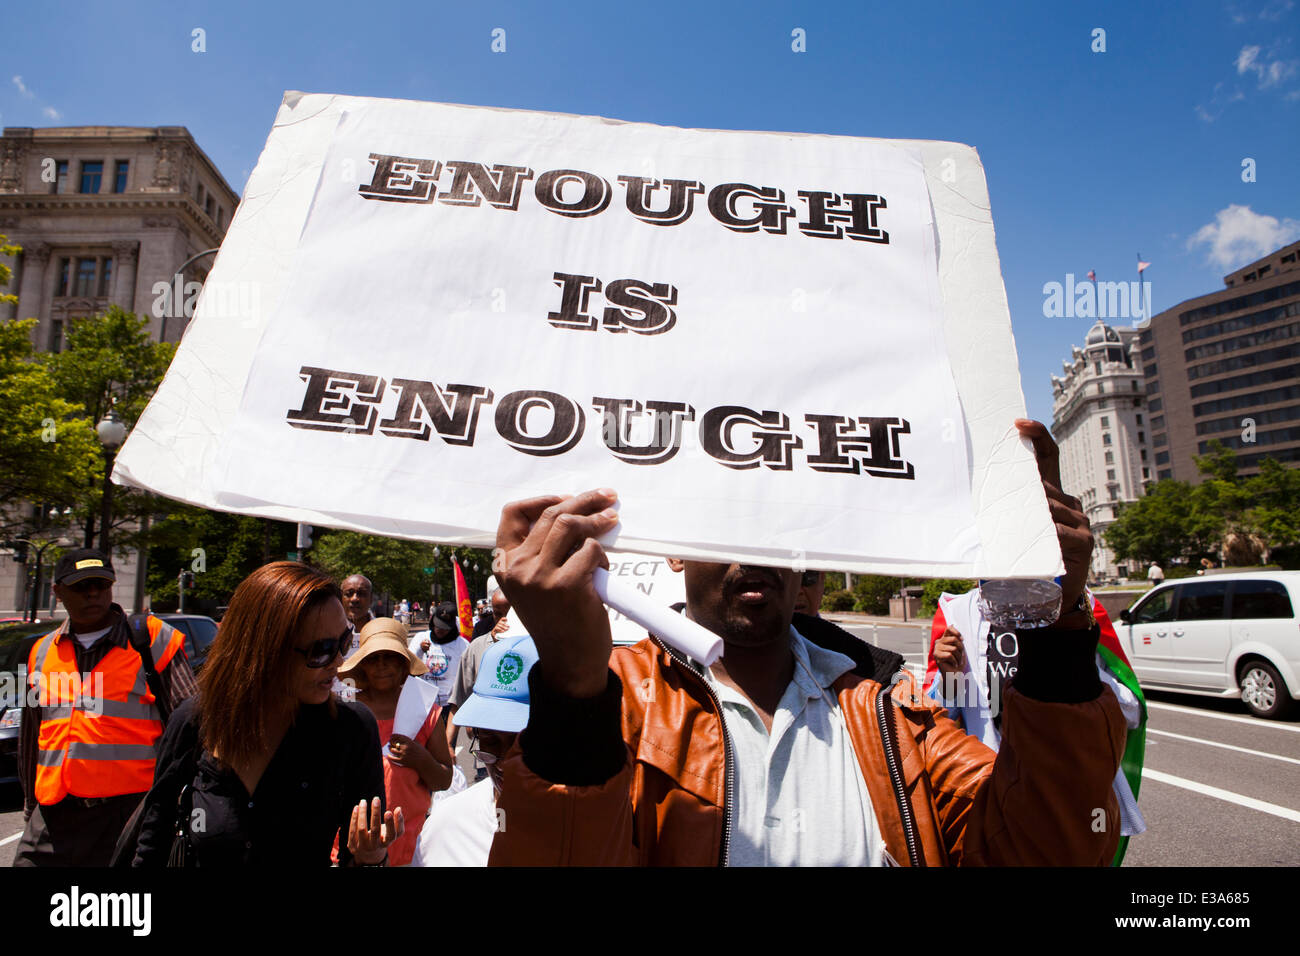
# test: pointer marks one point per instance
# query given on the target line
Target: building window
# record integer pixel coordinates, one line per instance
(65, 273)
(105, 277)
(60, 184)
(91, 175)
(85, 281)
(1097, 367)
(221, 218)
(1110, 458)
(198, 192)
(1114, 493)
(1105, 421)
(119, 177)
(1162, 458)
(1158, 422)
(1164, 473)
(1105, 438)
(56, 335)
(1146, 474)
(1139, 418)
(1142, 436)
(208, 206)
(1135, 386)
(1110, 474)
(1143, 451)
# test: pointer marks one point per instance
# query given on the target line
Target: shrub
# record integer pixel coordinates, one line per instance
(935, 587)
(872, 592)
(839, 600)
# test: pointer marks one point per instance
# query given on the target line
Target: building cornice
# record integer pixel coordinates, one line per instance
(119, 203)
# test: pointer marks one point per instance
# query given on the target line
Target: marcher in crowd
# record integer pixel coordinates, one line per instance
(441, 650)
(469, 664)
(413, 767)
(783, 752)
(276, 765)
(358, 596)
(461, 827)
(812, 585)
(971, 664)
(86, 741)
(1155, 575)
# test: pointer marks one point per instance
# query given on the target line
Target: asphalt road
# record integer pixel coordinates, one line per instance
(1220, 788)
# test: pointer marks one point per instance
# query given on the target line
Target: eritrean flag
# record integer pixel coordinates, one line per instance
(464, 612)
(1116, 661)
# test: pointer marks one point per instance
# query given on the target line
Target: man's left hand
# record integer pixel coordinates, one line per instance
(1072, 529)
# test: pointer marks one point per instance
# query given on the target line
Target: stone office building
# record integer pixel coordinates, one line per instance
(103, 214)
(1100, 424)
(1226, 365)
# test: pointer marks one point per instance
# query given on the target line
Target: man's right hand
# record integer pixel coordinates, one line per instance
(949, 654)
(549, 553)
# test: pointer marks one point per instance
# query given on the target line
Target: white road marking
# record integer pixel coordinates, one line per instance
(1215, 743)
(10, 839)
(1286, 813)
(1235, 718)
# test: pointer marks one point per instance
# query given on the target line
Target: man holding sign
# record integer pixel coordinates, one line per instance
(655, 761)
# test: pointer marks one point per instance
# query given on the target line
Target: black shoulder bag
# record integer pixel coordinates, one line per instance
(124, 850)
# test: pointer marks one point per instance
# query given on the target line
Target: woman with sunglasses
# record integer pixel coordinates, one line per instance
(413, 767)
(264, 766)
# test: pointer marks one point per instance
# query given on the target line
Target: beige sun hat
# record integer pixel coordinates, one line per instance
(383, 634)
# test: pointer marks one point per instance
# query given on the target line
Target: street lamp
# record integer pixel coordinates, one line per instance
(112, 432)
(34, 594)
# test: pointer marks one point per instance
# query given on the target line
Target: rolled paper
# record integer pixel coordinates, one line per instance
(676, 630)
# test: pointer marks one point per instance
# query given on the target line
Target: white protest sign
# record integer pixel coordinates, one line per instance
(751, 345)
(652, 577)
(416, 699)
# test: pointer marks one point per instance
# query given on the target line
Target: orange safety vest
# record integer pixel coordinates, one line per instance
(96, 740)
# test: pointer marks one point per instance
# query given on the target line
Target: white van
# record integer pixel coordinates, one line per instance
(1223, 635)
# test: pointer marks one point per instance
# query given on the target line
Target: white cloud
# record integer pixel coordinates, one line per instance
(22, 87)
(1268, 72)
(1239, 235)
(1275, 11)
(51, 113)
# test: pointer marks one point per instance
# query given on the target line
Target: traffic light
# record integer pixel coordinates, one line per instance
(187, 580)
(304, 536)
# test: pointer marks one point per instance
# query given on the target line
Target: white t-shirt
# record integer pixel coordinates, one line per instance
(460, 829)
(90, 637)
(443, 660)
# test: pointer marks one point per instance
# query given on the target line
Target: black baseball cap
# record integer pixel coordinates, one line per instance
(445, 616)
(81, 564)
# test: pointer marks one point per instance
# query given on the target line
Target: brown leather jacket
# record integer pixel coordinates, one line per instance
(1044, 798)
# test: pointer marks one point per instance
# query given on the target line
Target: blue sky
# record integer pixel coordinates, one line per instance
(1090, 156)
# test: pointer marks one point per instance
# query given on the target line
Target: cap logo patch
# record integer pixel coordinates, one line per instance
(509, 668)
(90, 563)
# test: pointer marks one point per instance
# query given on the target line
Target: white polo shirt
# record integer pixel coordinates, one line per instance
(800, 799)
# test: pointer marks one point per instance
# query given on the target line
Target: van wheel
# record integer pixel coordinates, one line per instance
(1263, 691)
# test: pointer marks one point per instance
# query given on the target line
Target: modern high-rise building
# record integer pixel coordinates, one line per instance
(105, 215)
(1100, 423)
(1227, 365)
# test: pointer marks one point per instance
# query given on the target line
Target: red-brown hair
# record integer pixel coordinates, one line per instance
(249, 671)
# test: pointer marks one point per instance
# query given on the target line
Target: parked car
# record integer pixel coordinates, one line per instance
(200, 631)
(16, 642)
(1225, 635)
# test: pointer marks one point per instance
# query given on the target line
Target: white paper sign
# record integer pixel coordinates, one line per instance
(747, 335)
(652, 577)
(417, 698)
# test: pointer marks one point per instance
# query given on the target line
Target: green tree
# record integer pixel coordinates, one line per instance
(48, 450)
(110, 362)
(1164, 524)
(936, 586)
(871, 592)
(1274, 513)
(396, 567)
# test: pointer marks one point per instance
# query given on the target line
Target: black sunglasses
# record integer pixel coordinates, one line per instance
(809, 578)
(321, 652)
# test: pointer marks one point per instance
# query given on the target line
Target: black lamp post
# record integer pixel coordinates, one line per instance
(112, 432)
